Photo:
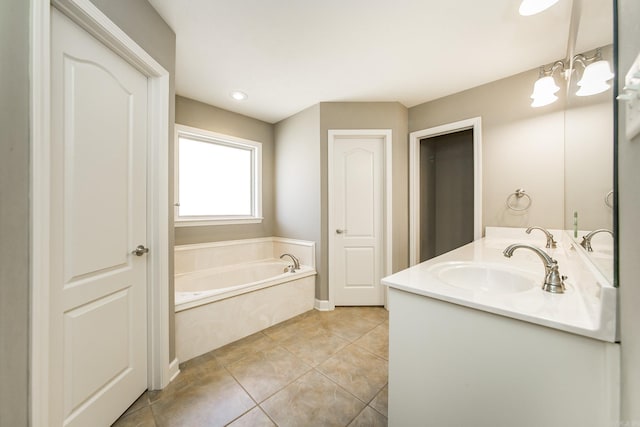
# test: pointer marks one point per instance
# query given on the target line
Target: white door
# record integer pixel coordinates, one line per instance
(98, 314)
(356, 200)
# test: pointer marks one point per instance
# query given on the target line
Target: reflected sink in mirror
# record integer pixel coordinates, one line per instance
(603, 253)
(484, 277)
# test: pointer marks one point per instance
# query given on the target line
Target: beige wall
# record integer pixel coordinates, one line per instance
(589, 164)
(297, 179)
(14, 212)
(629, 224)
(197, 114)
(522, 147)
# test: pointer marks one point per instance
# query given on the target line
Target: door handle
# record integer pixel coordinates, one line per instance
(340, 231)
(140, 250)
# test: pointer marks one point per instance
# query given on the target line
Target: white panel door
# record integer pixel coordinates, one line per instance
(98, 314)
(357, 201)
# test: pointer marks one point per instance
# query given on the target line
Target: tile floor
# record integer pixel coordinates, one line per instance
(318, 369)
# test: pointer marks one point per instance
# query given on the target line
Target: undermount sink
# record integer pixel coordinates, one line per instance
(480, 277)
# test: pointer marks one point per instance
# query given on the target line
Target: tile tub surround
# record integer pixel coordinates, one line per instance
(217, 319)
(213, 325)
(588, 308)
(204, 256)
(297, 373)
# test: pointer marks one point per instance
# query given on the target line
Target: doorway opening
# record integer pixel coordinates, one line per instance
(445, 196)
(446, 193)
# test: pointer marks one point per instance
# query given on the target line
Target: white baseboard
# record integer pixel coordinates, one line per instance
(323, 305)
(174, 369)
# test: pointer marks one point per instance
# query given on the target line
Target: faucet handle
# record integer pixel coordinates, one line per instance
(553, 281)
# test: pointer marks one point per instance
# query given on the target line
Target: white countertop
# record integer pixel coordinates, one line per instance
(587, 308)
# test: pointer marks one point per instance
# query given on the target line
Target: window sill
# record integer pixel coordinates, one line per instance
(222, 221)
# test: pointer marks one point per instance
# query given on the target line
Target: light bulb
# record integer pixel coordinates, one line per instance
(239, 96)
(541, 101)
(543, 91)
(531, 7)
(592, 89)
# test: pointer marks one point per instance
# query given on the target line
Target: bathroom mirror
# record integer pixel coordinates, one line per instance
(589, 142)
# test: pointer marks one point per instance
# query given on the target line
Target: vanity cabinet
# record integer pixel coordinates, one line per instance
(452, 365)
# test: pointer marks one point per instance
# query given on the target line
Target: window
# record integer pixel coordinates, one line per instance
(218, 178)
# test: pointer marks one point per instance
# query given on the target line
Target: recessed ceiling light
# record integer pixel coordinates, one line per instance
(239, 96)
(531, 7)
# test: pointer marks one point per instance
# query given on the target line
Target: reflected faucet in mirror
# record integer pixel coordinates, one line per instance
(586, 240)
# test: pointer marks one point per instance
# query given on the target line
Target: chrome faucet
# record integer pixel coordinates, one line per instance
(586, 240)
(296, 262)
(551, 243)
(553, 281)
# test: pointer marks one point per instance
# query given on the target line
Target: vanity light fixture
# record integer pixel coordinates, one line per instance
(239, 96)
(531, 7)
(595, 76)
(545, 88)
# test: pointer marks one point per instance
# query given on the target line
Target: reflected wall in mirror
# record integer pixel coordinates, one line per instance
(589, 141)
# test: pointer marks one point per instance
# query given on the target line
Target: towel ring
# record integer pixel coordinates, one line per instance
(608, 199)
(518, 194)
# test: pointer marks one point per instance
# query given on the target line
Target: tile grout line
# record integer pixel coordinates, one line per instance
(371, 352)
(225, 367)
(356, 416)
(374, 397)
(366, 404)
(267, 415)
(153, 415)
(243, 389)
(341, 387)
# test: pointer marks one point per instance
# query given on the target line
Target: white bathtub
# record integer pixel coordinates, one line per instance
(214, 284)
(229, 290)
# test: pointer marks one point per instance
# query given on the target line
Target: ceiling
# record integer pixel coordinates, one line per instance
(290, 54)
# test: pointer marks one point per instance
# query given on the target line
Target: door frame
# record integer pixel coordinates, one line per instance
(96, 23)
(415, 138)
(387, 241)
